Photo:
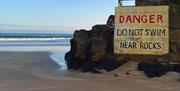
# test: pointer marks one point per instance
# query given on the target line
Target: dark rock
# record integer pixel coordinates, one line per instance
(128, 72)
(153, 69)
(178, 47)
(110, 22)
(116, 75)
(99, 28)
(90, 47)
(87, 66)
(142, 66)
(72, 61)
(157, 69)
(175, 47)
(166, 58)
(176, 68)
(82, 41)
(109, 37)
(108, 64)
(98, 49)
(69, 56)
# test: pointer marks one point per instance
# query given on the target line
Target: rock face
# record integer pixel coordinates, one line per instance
(93, 49)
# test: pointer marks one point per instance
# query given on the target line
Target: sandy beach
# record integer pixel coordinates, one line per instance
(36, 71)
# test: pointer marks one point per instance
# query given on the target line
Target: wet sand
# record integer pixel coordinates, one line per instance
(36, 71)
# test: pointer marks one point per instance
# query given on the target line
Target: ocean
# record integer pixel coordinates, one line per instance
(56, 44)
(32, 39)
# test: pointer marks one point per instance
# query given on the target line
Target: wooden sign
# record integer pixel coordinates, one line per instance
(141, 30)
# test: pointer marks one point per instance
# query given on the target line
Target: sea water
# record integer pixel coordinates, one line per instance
(57, 44)
(30, 39)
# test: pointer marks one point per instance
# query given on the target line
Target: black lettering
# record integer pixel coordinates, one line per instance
(122, 32)
(155, 32)
(150, 45)
(159, 45)
(146, 32)
(128, 45)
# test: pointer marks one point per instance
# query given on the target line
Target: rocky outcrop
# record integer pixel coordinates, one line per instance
(93, 49)
(157, 69)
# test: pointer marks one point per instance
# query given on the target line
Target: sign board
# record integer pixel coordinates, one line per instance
(141, 30)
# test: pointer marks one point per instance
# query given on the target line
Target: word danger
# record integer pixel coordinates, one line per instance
(141, 19)
(141, 45)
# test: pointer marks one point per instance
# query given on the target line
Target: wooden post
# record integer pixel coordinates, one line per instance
(119, 2)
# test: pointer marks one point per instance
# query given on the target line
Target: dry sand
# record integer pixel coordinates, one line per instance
(36, 71)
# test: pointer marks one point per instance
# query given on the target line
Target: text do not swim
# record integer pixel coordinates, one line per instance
(141, 32)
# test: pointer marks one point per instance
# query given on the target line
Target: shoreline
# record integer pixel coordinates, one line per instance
(36, 71)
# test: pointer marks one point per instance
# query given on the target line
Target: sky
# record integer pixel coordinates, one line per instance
(54, 16)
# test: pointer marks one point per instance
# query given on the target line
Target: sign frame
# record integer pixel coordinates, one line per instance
(156, 18)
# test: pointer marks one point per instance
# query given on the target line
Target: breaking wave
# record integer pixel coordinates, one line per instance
(35, 39)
